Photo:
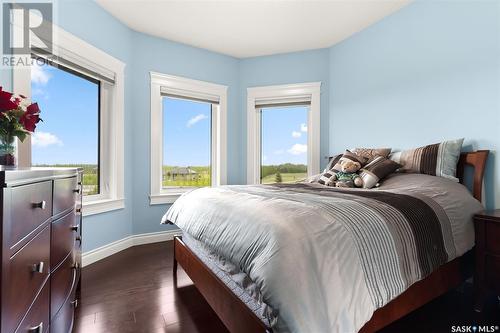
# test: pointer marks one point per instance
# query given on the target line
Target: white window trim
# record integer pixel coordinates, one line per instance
(311, 90)
(112, 122)
(188, 87)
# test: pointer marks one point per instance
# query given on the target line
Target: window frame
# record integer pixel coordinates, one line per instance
(111, 119)
(180, 86)
(310, 91)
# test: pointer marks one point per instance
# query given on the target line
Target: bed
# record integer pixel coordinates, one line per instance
(331, 260)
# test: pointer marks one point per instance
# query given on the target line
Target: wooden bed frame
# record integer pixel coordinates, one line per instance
(238, 318)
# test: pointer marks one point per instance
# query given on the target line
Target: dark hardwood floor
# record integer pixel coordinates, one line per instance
(132, 291)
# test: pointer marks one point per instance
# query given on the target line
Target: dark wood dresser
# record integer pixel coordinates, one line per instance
(41, 248)
(487, 272)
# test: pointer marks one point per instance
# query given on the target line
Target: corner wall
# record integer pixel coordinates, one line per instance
(428, 73)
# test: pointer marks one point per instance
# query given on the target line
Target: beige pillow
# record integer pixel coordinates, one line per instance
(370, 153)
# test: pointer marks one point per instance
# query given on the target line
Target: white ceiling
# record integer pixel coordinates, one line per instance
(242, 28)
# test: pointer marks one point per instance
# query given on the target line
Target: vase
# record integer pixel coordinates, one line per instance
(7, 151)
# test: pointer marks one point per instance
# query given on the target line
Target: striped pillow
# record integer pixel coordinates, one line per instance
(379, 168)
(349, 156)
(332, 161)
(327, 178)
(439, 159)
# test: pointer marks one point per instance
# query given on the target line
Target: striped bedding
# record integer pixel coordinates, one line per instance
(326, 258)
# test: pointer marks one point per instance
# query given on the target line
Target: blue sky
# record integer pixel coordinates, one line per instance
(186, 138)
(186, 132)
(69, 131)
(284, 135)
(69, 109)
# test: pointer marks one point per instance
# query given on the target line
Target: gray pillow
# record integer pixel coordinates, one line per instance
(439, 159)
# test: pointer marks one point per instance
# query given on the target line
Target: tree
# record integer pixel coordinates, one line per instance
(278, 178)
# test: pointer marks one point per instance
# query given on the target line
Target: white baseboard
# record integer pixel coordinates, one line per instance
(107, 250)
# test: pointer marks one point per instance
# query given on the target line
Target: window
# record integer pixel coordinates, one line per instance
(283, 144)
(188, 136)
(60, 141)
(186, 143)
(80, 90)
(283, 133)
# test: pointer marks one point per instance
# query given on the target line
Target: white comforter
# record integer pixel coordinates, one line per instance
(301, 250)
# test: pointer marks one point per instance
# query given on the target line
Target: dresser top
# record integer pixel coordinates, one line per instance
(13, 176)
(493, 215)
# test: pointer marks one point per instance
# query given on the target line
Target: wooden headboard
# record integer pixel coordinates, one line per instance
(477, 160)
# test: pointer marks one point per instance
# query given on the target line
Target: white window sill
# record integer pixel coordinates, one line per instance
(167, 196)
(102, 206)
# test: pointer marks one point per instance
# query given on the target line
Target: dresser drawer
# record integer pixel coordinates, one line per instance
(63, 321)
(31, 205)
(26, 272)
(64, 232)
(492, 234)
(37, 319)
(62, 281)
(66, 192)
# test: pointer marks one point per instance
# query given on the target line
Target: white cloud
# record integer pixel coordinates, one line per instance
(264, 158)
(296, 134)
(45, 139)
(298, 149)
(303, 127)
(279, 151)
(196, 119)
(39, 75)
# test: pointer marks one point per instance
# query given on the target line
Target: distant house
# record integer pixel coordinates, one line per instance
(184, 173)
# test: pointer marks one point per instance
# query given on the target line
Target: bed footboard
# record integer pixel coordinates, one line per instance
(231, 310)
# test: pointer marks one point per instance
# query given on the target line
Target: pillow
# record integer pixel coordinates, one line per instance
(379, 168)
(372, 152)
(326, 178)
(332, 161)
(439, 159)
(350, 156)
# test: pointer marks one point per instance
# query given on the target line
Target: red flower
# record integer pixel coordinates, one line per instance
(31, 117)
(6, 103)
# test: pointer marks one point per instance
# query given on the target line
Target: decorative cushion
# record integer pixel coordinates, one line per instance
(370, 153)
(350, 156)
(332, 161)
(376, 170)
(326, 178)
(439, 159)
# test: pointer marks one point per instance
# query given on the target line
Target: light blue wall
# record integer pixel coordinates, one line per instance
(428, 73)
(91, 23)
(424, 74)
(159, 55)
(297, 67)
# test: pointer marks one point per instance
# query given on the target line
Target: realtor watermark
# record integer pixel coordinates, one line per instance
(475, 329)
(27, 33)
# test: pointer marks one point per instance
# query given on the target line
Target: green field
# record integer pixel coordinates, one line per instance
(200, 179)
(90, 179)
(285, 178)
(283, 173)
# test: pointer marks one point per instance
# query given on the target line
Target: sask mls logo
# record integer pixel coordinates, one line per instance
(26, 27)
(475, 329)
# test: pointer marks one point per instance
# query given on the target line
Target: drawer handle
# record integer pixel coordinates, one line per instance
(76, 190)
(74, 303)
(36, 329)
(78, 210)
(78, 238)
(74, 228)
(37, 268)
(42, 204)
(75, 266)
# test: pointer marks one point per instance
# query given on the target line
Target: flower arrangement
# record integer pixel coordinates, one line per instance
(18, 118)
